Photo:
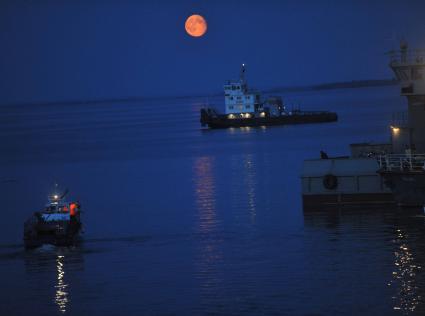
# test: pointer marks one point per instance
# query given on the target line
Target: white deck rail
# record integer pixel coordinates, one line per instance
(408, 56)
(402, 162)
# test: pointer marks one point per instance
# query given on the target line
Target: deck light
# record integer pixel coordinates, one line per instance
(396, 130)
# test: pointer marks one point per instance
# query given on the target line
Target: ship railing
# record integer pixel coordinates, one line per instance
(402, 162)
(298, 111)
(411, 56)
(400, 119)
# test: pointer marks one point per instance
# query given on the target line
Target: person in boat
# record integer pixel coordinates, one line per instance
(323, 155)
(73, 209)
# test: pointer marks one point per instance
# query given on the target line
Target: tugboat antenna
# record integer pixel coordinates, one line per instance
(64, 194)
(242, 76)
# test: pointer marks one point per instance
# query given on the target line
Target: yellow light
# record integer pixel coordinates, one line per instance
(231, 116)
(263, 114)
(396, 130)
(55, 197)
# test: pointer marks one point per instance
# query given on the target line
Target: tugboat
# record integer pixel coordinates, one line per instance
(377, 174)
(243, 107)
(58, 224)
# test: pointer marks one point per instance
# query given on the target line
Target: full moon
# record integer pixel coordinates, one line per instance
(195, 25)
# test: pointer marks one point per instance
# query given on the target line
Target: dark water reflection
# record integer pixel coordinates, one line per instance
(393, 238)
(180, 220)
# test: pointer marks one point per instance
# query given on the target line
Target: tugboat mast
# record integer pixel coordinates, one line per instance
(242, 75)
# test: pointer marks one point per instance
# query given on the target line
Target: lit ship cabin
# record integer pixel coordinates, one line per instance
(244, 107)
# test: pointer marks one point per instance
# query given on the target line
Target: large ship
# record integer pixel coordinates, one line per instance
(375, 174)
(244, 107)
(58, 224)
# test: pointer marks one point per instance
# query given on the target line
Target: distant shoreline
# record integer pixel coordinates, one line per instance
(337, 85)
(325, 86)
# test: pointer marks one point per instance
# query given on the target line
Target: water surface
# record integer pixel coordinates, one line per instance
(189, 221)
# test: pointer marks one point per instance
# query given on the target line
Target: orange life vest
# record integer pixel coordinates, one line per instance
(72, 209)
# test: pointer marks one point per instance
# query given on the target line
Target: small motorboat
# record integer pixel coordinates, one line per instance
(58, 224)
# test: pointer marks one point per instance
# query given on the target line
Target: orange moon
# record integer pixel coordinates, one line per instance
(195, 25)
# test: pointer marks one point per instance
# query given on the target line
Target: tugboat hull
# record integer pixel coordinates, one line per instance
(222, 121)
(55, 241)
(58, 233)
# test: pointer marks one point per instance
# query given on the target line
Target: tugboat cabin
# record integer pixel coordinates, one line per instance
(239, 101)
(244, 107)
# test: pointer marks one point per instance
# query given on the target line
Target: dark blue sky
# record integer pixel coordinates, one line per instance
(71, 50)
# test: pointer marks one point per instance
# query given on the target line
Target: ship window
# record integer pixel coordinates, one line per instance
(238, 98)
(248, 106)
(233, 87)
(231, 98)
(416, 74)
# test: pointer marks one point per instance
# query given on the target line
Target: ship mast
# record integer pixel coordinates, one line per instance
(409, 68)
(242, 74)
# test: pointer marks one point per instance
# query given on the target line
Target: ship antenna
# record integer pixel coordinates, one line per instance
(64, 194)
(242, 76)
(403, 50)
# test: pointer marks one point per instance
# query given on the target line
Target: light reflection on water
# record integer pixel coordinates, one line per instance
(61, 297)
(367, 239)
(249, 180)
(205, 194)
(210, 252)
(404, 275)
(243, 188)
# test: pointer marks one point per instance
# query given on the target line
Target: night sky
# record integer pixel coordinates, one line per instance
(84, 50)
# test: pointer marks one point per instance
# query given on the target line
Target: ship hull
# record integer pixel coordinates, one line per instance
(59, 241)
(321, 202)
(408, 187)
(335, 182)
(222, 121)
(58, 233)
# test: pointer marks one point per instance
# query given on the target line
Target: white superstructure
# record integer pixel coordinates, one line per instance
(238, 100)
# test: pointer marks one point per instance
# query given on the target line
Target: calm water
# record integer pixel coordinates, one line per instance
(180, 220)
